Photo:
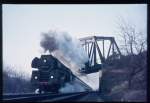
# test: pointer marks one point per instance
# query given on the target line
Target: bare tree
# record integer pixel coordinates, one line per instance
(134, 43)
(14, 83)
(134, 40)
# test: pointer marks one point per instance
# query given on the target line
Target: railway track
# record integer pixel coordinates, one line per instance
(51, 97)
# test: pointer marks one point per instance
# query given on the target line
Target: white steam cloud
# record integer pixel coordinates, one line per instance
(72, 87)
(70, 47)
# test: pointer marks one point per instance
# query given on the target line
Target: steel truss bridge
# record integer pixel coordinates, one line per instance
(92, 48)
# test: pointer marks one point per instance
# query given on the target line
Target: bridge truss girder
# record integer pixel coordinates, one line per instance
(91, 50)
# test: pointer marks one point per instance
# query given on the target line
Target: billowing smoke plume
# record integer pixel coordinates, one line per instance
(71, 87)
(49, 42)
(62, 41)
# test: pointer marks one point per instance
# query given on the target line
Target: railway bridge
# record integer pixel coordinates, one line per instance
(92, 47)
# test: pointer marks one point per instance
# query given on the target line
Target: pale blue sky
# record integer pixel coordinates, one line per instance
(23, 25)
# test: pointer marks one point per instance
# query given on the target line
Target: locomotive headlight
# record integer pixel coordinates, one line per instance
(35, 77)
(51, 77)
(44, 60)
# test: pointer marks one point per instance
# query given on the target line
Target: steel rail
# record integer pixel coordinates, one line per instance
(45, 97)
(72, 97)
(22, 95)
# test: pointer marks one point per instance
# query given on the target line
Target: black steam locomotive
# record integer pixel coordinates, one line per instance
(50, 74)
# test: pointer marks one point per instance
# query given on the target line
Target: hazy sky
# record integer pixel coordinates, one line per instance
(23, 25)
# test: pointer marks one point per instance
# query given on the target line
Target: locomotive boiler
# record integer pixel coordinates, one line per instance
(50, 74)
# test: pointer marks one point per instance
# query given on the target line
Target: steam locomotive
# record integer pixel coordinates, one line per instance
(50, 74)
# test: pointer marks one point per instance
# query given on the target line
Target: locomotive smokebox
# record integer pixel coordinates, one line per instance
(46, 61)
